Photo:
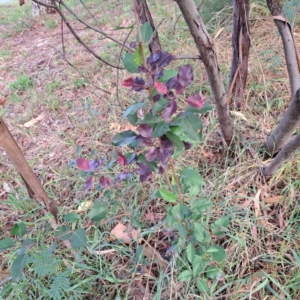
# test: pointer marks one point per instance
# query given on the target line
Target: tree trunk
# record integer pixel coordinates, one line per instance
(288, 44)
(38, 9)
(240, 51)
(287, 126)
(283, 156)
(145, 16)
(207, 51)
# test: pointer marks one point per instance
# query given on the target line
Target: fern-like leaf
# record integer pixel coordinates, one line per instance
(44, 266)
(59, 286)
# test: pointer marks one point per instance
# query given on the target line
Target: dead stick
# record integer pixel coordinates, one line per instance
(8, 143)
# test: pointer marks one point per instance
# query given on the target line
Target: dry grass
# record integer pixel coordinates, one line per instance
(263, 242)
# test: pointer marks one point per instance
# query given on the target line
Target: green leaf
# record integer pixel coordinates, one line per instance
(149, 119)
(160, 129)
(199, 231)
(71, 217)
(166, 195)
(147, 31)
(220, 226)
(132, 118)
(202, 286)
(63, 232)
(179, 146)
(167, 75)
(185, 275)
(79, 238)
(159, 105)
(206, 107)
(189, 176)
(19, 229)
(191, 125)
(217, 252)
(6, 243)
(138, 58)
(213, 272)
(98, 212)
(125, 137)
(18, 266)
(190, 252)
(129, 64)
(198, 265)
(132, 109)
(200, 205)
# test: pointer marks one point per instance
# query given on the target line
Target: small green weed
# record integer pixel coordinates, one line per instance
(22, 83)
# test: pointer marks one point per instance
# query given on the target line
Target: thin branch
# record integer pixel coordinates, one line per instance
(90, 13)
(119, 60)
(79, 39)
(91, 27)
(200, 5)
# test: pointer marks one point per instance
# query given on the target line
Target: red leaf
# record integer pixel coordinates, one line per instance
(128, 82)
(88, 184)
(122, 159)
(83, 164)
(196, 101)
(104, 182)
(161, 87)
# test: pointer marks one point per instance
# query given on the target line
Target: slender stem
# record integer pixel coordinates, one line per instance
(168, 180)
(135, 7)
(176, 180)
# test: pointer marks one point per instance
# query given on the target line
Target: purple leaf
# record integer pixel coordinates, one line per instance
(104, 182)
(159, 74)
(95, 164)
(151, 154)
(166, 151)
(169, 110)
(144, 171)
(88, 184)
(153, 57)
(165, 59)
(169, 95)
(185, 75)
(156, 97)
(142, 69)
(159, 59)
(123, 176)
(122, 159)
(83, 164)
(161, 87)
(179, 89)
(145, 130)
(147, 142)
(139, 84)
(187, 145)
(196, 101)
(129, 82)
(171, 83)
(132, 45)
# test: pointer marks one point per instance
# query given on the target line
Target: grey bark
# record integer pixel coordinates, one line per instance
(283, 156)
(287, 126)
(240, 49)
(208, 55)
(288, 44)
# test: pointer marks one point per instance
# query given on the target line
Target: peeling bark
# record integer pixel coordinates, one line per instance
(287, 126)
(288, 44)
(240, 51)
(208, 55)
(283, 156)
(145, 16)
